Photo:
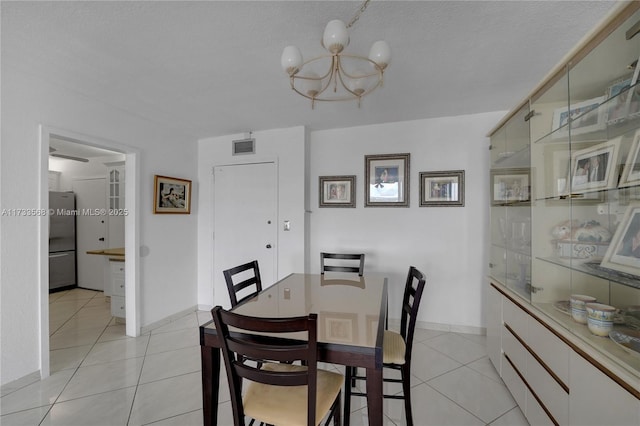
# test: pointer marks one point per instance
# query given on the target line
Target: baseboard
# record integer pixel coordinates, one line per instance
(207, 308)
(150, 327)
(13, 386)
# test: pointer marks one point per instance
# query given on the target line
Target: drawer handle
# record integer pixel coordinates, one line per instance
(121, 269)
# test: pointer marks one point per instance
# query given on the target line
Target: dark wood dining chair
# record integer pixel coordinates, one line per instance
(342, 262)
(278, 392)
(243, 285)
(396, 348)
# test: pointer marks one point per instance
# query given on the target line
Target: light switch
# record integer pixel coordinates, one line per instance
(287, 225)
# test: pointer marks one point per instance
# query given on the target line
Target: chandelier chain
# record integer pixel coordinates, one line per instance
(358, 13)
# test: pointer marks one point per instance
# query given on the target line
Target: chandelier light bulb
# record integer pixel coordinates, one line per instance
(291, 60)
(380, 53)
(312, 84)
(358, 83)
(335, 37)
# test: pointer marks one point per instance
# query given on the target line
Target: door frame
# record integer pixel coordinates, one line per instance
(240, 162)
(132, 231)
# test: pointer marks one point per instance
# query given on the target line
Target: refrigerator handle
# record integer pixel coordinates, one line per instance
(59, 255)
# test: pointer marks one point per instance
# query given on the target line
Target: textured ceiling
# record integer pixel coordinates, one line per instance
(211, 68)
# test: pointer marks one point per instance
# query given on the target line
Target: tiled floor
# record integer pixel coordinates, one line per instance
(101, 377)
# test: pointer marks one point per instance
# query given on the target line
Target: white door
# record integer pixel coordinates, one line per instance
(245, 222)
(91, 230)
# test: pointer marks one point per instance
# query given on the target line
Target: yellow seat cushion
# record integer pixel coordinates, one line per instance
(287, 405)
(393, 348)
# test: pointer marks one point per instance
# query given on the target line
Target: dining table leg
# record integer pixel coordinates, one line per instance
(210, 383)
(374, 396)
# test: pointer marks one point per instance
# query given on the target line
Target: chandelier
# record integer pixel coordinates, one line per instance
(336, 76)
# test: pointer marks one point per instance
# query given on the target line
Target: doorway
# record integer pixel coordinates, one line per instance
(131, 225)
(245, 218)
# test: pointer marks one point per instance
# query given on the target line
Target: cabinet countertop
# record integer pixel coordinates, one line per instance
(113, 253)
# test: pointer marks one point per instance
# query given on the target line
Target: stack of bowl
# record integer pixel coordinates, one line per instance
(579, 307)
(600, 318)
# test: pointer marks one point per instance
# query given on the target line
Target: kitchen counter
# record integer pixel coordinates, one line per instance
(115, 254)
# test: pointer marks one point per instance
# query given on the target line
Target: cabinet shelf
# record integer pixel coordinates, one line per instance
(594, 269)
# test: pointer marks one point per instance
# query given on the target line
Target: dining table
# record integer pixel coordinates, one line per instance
(352, 314)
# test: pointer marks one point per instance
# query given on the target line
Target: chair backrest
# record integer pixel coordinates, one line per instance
(342, 259)
(240, 291)
(239, 346)
(410, 304)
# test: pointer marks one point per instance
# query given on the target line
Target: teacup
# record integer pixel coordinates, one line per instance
(600, 318)
(578, 307)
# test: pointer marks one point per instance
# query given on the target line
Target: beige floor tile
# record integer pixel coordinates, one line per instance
(64, 359)
(25, 418)
(39, 394)
(105, 352)
(105, 409)
(170, 364)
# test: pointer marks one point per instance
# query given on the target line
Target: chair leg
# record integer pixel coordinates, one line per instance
(406, 390)
(347, 395)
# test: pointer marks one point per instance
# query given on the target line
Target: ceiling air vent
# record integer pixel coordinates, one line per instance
(244, 146)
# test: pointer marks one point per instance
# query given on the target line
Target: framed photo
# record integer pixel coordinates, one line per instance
(338, 327)
(584, 117)
(631, 172)
(337, 191)
(595, 168)
(386, 180)
(510, 186)
(442, 189)
(623, 100)
(623, 254)
(171, 195)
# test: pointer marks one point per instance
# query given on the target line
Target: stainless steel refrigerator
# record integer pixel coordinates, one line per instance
(62, 240)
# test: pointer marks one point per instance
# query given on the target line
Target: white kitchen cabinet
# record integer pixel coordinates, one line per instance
(117, 286)
(116, 203)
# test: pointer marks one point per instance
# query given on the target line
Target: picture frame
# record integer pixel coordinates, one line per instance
(386, 180)
(595, 168)
(510, 186)
(631, 171)
(442, 188)
(582, 117)
(338, 327)
(171, 195)
(623, 100)
(337, 191)
(623, 254)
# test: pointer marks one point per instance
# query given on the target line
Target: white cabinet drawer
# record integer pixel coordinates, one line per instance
(117, 306)
(550, 349)
(116, 267)
(515, 318)
(514, 350)
(552, 395)
(535, 414)
(116, 279)
(514, 383)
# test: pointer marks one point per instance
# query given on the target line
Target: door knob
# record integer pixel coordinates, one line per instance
(101, 239)
(268, 246)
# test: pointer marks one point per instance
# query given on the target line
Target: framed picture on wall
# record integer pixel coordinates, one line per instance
(337, 191)
(386, 180)
(171, 195)
(442, 189)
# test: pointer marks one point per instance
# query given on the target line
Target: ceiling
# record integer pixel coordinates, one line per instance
(211, 68)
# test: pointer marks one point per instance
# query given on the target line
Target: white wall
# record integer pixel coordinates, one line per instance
(70, 169)
(287, 147)
(168, 265)
(446, 243)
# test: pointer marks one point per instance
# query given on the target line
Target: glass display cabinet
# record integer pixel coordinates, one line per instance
(576, 229)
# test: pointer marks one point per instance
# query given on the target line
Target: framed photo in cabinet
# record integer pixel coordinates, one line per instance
(595, 168)
(510, 186)
(583, 117)
(337, 191)
(442, 189)
(623, 254)
(631, 172)
(623, 100)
